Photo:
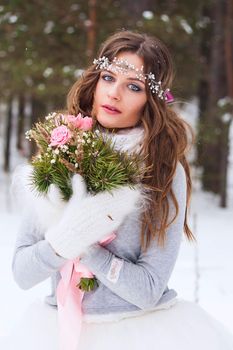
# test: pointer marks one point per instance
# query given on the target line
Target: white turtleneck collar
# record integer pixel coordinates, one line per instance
(126, 140)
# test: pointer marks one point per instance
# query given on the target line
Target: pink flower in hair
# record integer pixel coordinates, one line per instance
(60, 136)
(169, 97)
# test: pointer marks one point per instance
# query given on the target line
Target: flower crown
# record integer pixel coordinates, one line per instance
(123, 66)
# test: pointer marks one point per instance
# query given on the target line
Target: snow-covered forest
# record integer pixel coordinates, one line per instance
(44, 48)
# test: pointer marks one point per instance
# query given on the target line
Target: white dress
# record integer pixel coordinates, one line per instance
(182, 326)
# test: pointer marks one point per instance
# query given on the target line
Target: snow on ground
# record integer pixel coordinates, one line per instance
(203, 269)
(202, 272)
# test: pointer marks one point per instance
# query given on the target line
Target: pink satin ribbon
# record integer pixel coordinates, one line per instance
(69, 301)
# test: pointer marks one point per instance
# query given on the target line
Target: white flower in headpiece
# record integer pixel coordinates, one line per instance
(123, 66)
(102, 62)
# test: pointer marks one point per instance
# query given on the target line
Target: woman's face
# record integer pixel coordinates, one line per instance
(119, 99)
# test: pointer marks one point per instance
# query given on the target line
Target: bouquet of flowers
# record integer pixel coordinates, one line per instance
(69, 144)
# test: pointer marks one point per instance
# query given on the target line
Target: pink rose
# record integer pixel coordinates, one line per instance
(80, 122)
(86, 123)
(74, 120)
(60, 135)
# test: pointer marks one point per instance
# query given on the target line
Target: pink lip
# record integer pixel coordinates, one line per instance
(110, 109)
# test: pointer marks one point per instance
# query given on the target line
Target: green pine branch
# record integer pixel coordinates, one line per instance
(87, 284)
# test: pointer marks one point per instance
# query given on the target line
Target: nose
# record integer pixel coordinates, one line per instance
(114, 92)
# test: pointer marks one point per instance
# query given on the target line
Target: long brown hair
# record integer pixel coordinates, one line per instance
(166, 134)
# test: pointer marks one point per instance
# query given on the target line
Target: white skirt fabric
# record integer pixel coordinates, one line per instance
(183, 326)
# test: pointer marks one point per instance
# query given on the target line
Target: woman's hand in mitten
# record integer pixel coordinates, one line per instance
(48, 207)
(90, 218)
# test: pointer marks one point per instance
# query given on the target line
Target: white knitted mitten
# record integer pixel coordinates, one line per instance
(89, 219)
(48, 207)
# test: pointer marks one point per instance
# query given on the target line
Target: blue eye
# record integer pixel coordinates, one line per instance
(134, 87)
(107, 77)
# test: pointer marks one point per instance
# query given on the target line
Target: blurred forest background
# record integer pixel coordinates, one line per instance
(45, 46)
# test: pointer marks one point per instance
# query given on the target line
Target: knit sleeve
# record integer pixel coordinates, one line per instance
(34, 260)
(143, 282)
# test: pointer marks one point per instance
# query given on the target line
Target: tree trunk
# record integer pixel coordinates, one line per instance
(203, 86)
(91, 30)
(228, 46)
(8, 130)
(38, 112)
(213, 144)
(224, 165)
(20, 124)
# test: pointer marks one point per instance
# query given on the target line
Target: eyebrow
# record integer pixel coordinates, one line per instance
(129, 78)
(141, 81)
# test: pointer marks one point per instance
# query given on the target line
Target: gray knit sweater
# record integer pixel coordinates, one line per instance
(129, 279)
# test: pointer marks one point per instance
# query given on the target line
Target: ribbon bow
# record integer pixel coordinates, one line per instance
(69, 300)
